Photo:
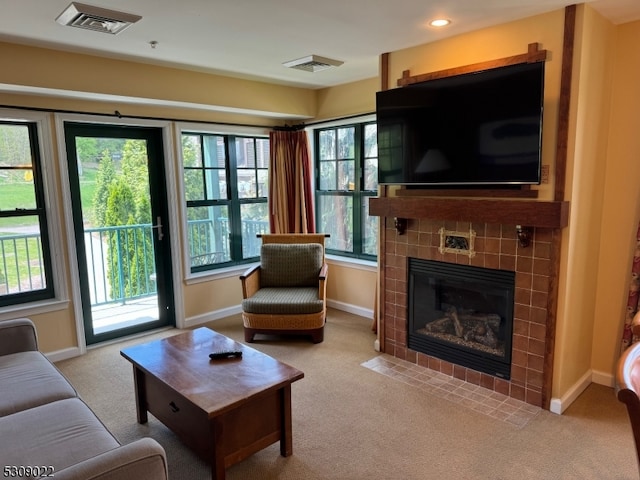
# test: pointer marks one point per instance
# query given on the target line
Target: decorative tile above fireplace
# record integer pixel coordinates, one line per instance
(457, 242)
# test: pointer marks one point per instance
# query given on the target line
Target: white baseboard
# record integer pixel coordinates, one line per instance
(603, 378)
(559, 405)
(211, 316)
(349, 308)
(64, 354)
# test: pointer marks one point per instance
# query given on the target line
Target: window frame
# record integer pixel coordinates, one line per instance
(233, 201)
(358, 194)
(54, 296)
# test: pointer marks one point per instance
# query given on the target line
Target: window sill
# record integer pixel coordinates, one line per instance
(34, 308)
(218, 274)
(349, 262)
(238, 270)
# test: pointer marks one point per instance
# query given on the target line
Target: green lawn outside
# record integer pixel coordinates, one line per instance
(21, 195)
(19, 261)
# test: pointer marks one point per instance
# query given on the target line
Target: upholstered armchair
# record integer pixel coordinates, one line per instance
(286, 293)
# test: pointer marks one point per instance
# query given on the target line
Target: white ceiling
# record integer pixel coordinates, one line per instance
(252, 38)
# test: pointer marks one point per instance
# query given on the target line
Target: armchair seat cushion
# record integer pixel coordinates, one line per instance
(283, 300)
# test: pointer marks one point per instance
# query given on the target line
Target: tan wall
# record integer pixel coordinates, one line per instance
(586, 165)
(56, 330)
(24, 65)
(345, 100)
(201, 298)
(352, 286)
(621, 207)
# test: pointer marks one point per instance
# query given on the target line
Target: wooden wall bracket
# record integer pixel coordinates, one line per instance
(534, 54)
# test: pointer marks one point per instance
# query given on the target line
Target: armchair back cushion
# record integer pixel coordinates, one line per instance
(290, 265)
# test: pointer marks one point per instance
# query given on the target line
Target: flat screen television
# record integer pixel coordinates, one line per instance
(476, 129)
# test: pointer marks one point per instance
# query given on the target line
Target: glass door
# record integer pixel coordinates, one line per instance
(121, 230)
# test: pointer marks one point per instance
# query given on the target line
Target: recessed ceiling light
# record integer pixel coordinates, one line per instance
(439, 22)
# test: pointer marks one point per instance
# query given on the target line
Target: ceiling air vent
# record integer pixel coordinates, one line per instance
(313, 63)
(97, 19)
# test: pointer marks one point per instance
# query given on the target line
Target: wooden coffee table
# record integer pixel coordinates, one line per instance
(224, 410)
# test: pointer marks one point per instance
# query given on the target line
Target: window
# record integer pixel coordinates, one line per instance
(25, 260)
(346, 177)
(225, 188)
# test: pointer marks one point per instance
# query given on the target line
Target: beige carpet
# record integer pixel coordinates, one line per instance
(352, 423)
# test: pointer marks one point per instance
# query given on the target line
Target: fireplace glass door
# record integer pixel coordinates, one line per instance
(462, 314)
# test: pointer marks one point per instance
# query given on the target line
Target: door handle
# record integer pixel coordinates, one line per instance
(158, 225)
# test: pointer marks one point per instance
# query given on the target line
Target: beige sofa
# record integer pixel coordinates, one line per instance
(46, 430)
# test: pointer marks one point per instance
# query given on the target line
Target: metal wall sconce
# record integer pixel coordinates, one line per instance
(525, 234)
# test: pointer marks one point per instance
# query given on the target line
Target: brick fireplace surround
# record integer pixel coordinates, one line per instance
(496, 246)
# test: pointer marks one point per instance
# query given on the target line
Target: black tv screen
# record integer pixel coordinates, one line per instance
(482, 129)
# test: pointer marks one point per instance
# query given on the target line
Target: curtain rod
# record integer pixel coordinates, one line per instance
(339, 119)
(117, 114)
(290, 128)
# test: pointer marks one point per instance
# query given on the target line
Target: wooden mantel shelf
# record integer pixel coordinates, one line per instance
(530, 213)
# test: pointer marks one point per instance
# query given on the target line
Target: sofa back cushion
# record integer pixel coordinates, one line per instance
(290, 264)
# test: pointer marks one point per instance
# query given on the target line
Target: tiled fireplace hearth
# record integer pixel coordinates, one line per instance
(495, 246)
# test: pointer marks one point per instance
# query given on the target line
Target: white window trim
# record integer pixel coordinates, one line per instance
(209, 129)
(60, 300)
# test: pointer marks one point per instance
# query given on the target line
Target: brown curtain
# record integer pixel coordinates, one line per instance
(632, 298)
(290, 189)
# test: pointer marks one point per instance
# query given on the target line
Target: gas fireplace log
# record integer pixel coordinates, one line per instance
(438, 326)
(452, 313)
(472, 327)
(488, 318)
(484, 335)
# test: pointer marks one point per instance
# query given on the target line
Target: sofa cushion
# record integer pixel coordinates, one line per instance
(59, 434)
(290, 264)
(28, 380)
(284, 301)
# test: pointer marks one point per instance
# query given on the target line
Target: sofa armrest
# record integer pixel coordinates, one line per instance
(250, 281)
(18, 335)
(143, 459)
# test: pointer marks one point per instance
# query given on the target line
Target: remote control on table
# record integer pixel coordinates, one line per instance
(225, 354)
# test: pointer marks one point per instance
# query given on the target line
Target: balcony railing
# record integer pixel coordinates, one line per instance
(22, 265)
(209, 240)
(128, 272)
(120, 263)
